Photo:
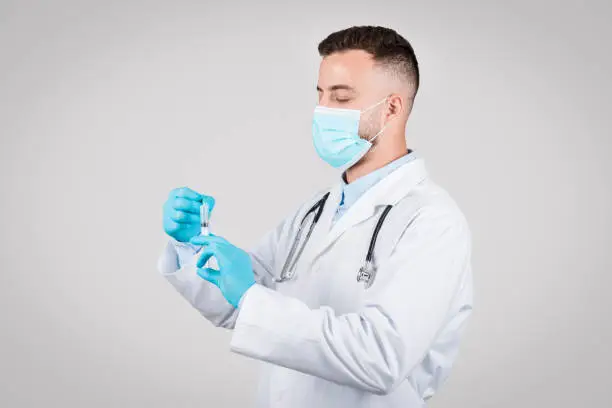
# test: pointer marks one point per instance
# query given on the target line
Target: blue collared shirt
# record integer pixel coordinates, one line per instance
(352, 191)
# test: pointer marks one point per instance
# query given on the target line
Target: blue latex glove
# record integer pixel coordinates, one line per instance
(235, 274)
(182, 213)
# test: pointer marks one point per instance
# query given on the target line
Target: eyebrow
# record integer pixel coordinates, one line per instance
(338, 87)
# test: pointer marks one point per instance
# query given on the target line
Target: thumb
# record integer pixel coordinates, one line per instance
(210, 274)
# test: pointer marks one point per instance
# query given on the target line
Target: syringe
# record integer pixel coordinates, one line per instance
(204, 219)
(204, 228)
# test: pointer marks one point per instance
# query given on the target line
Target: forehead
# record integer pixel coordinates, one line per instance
(353, 67)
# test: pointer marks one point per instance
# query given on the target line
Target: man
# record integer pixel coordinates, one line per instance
(359, 298)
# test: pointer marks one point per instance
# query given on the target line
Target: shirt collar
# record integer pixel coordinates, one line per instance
(352, 191)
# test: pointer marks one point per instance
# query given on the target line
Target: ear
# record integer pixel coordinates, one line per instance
(395, 108)
(396, 105)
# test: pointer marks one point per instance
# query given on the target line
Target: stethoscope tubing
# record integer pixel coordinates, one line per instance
(317, 209)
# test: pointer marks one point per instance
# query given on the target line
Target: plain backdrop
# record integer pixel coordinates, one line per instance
(106, 106)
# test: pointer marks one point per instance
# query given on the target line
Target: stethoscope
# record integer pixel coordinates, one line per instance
(366, 273)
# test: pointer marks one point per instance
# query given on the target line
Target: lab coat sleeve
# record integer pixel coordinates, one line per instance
(178, 265)
(376, 347)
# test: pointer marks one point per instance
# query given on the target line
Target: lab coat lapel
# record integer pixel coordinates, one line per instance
(387, 191)
(322, 229)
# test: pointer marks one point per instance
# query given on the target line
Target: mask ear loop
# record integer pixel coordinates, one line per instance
(383, 128)
(375, 105)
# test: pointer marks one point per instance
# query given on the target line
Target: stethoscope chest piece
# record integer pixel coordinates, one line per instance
(366, 274)
(368, 270)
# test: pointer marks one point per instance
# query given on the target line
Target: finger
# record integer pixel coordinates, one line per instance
(190, 206)
(187, 193)
(173, 192)
(221, 252)
(208, 239)
(184, 192)
(171, 226)
(216, 250)
(210, 201)
(200, 240)
(211, 275)
(205, 255)
(198, 243)
(221, 256)
(184, 218)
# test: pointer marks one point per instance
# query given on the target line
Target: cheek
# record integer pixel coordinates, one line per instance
(366, 127)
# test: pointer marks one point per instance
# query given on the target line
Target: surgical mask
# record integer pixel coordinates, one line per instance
(335, 134)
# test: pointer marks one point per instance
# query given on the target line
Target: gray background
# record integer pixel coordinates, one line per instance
(106, 106)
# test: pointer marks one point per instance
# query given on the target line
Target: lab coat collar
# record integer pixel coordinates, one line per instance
(353, 190)
(388, 191)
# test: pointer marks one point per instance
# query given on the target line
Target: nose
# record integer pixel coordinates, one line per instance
(324, 101)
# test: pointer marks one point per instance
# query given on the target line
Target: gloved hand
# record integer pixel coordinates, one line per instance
(235, 274)
(182, 213)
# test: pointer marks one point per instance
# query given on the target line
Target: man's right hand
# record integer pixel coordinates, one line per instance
(182, 213)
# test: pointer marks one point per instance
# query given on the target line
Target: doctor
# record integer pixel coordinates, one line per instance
(360, 297)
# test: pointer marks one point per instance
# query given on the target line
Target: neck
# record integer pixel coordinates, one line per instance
(380, 155)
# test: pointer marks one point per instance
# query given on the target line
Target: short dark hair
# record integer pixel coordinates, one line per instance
(386, 46)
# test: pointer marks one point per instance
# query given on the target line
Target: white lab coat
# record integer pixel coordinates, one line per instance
(327, 342)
